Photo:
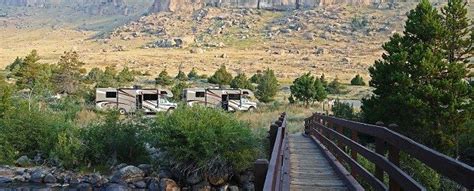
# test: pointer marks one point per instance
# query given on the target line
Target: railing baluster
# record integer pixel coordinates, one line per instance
(355, 138)
(380, 149)
(393, 157)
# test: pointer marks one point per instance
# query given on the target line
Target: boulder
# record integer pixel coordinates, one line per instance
(167, 184)
(23, 161)
(193, 179)
(217, 180)
(140, 184)
(49, 178)
(146, 168)
(116, 187)
(128, 174)
(38, 175)
(203, 186)
(233, 188)
(196, 51)
(84, 187)
(4, 180)
(154, 184)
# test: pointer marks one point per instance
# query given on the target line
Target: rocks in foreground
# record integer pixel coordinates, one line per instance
(123, 177)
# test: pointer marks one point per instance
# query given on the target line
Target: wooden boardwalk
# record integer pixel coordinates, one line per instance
(309, 169)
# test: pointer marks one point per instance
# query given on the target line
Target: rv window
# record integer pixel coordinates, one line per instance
(234, 96)
(199, 94)
(110, 94)
(150, 97)
(163, 93)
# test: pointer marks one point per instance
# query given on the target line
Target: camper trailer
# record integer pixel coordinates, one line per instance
(130, 100)
(227, 99)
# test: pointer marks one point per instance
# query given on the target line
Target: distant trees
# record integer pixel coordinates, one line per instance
(256, 78)
(31, 74)
(267, 87)
(164, 79)
(221, 77)
(307, 89)
(177, 90)
(357, 81)
(419, 82)
(241, 81)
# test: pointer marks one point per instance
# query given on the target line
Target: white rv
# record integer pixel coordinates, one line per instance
(227, 99)
(129, 100)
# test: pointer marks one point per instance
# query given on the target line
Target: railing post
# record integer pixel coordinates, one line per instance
(260, 172)
(272, 133)
(380, 149)
(355, 138)
(393, 157)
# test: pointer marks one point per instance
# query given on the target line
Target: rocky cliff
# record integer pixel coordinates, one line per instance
(183, 5)
(93, 7)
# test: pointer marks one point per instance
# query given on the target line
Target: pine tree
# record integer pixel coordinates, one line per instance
(358, 81)
(32, 75)
(193, 74)
(308, 89)
(181, 76)
(125, 76)
(268, 86)
(416, 87)
(458, 44)
(67, 77)
(256, 78)
(164, 79)
(221, 77)
(241, 81)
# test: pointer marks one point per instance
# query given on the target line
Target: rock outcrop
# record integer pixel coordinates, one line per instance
(92, 7)
(190, 5)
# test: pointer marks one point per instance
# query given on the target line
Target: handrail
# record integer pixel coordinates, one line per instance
(330, 130)
(274, 178)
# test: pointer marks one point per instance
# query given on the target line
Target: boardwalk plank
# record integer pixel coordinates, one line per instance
(309, 169)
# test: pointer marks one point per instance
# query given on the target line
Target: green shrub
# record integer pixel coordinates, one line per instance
(335, 87)
(256, 78)
(241, 81)
(358, 81)
(181, 76)
(114, 141)
(193, 74)
(164, 79)
(204, 140)
(177, 90)
(267, 87)
(308, 89)
(343, 110)
(221, 76)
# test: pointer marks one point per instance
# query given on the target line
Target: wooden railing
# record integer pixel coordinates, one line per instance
(274, 175)
(330, 131)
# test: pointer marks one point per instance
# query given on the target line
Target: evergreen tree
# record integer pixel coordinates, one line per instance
(416, 87)
(268, 86)
(358, 81)
(458, 43)
(164, 79)
(93, 76)
(125, 77)
(177, 90)
(323, 80)
(15, 65)
(221, 76)
(108, 78)
(308, 89)
(32, 75)
(67, 77)
(343, 110)
(181, 76)
(256, 78)
(335, 87)
(241, 81)
(193, 74)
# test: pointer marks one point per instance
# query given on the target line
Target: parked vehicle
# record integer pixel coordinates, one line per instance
(227, 99)
(130, 100)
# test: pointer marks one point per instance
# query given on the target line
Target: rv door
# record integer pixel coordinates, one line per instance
(139, 102)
